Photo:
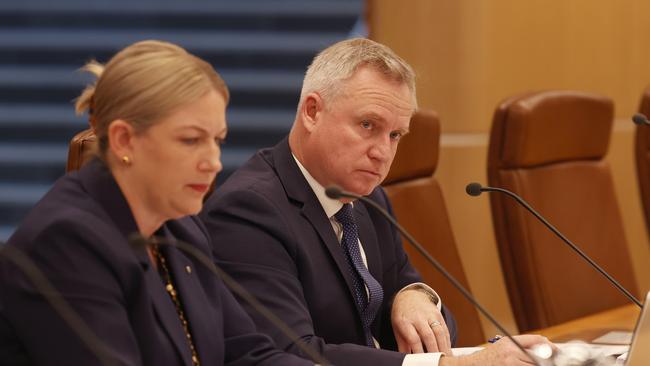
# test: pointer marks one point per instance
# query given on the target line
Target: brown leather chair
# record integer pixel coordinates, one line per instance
(419, 206)
(80, 149)
(642, 152)
(549, 147)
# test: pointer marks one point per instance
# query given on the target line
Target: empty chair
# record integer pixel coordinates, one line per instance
(80, 149)
(549, 147)
(419, 206)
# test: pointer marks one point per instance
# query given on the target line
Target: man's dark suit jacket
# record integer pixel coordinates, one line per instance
(77, 235)
(271, 233)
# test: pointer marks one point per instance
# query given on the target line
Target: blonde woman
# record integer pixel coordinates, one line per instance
(159, 115)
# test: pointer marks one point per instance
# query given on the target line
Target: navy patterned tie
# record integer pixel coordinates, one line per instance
(367, 307)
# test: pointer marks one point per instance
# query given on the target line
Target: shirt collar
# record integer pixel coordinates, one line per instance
(331, 206)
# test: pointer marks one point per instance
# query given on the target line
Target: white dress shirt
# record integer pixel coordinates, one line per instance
(331, 207)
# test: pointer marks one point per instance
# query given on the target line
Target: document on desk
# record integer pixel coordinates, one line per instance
(600, 349)
(463, 351)
(615, 337)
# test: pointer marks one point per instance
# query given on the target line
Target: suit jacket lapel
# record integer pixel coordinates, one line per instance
(322, 225)
(299, 190)
(199, 317)
(166, 312)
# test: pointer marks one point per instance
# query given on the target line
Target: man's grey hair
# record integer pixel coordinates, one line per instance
(337, 63)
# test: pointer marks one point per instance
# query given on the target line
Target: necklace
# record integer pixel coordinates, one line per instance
(171, 290)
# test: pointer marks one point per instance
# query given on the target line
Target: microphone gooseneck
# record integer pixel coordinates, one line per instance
(335, 192)
(561, 236)
(137, 240)
(45, 288)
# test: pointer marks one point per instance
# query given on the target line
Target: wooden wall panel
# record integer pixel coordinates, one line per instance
(471, 54)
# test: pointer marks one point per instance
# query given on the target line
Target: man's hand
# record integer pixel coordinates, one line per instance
(418, 324)
(501, 353)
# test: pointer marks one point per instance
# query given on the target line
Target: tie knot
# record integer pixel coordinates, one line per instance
(344, 215)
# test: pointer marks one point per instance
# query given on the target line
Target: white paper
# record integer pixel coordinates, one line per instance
(615, 337)
(605, 350)
(463, 351)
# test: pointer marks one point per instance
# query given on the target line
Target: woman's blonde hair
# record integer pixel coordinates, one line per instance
(143, 83)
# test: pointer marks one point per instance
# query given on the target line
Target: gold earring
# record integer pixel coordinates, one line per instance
(126, 160)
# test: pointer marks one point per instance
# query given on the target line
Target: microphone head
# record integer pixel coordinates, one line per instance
(474, 189)
(333, 192)
(640, 119)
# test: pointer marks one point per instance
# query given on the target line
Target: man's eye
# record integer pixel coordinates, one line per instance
(366, 124)
(219, 141)
(396, 136)
(190, 140)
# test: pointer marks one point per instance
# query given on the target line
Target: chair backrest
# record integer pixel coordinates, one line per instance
(419, 206)
(549, 147)
(80, 149)
(642, 152)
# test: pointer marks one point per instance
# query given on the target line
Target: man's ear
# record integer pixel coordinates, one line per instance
(120, 139)
(310, 110)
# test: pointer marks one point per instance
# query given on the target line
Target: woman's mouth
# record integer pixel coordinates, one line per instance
(201, 188)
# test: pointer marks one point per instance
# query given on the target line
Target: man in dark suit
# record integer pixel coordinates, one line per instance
(335, 271)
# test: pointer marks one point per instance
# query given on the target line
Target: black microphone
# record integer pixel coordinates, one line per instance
(335, 192)
(138, 241)
(640, 119)
(475, 189)
(45, 288)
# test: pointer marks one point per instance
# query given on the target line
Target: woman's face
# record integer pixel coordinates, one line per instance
(176, 159)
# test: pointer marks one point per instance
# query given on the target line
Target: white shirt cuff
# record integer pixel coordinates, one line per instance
(422, 359)
(427, 288)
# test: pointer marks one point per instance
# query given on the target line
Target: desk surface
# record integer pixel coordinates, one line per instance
(593, 326)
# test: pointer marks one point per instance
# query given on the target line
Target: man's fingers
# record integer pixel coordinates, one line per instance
(402, 344)
(427, 336)
(412, 338)
(422, 336)
(442, 338)
(416, 346)
(441, 333)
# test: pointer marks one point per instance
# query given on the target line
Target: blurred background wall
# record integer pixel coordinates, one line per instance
(260, 47)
